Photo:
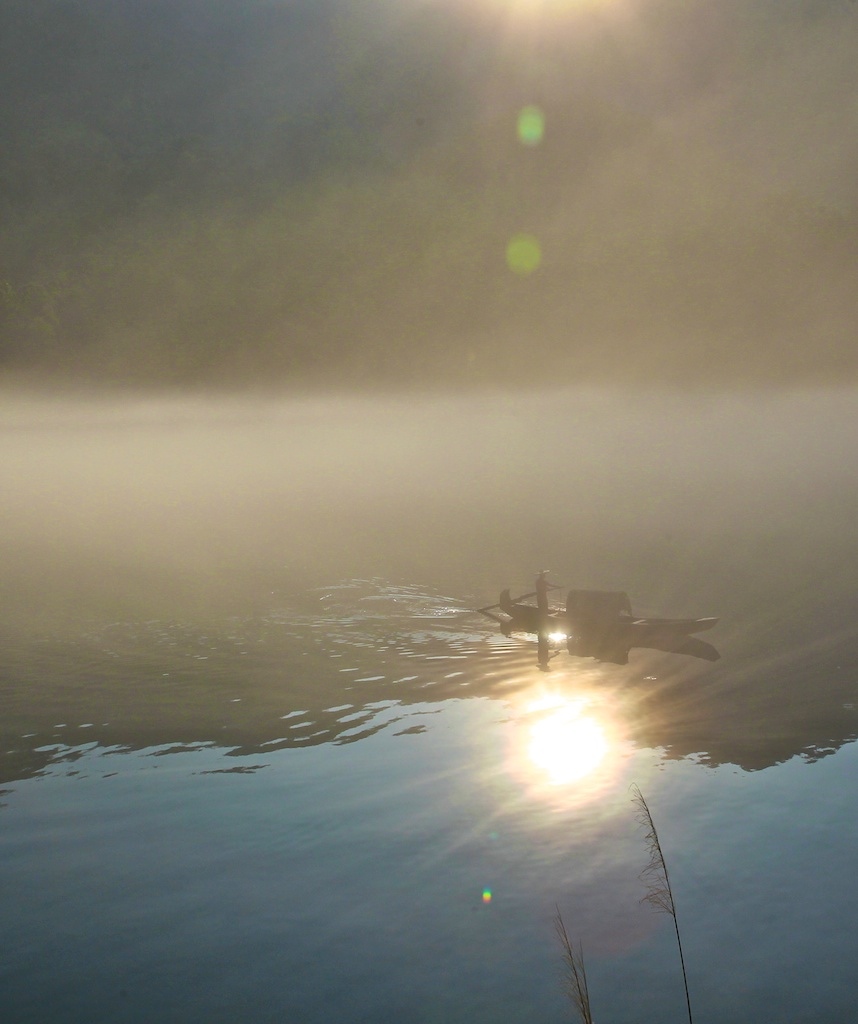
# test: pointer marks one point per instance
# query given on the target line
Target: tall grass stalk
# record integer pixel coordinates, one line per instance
(576, 976)
(655, 877)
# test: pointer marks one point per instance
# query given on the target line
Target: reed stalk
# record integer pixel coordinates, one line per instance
(657, 881)
(575, 981)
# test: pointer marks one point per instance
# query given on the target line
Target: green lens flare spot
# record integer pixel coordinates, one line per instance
(523, 254)
(487, 895)
(531, 126)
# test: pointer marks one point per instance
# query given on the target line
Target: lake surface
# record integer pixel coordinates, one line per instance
(260, 760)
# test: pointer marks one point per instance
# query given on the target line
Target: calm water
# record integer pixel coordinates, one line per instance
(261, 762)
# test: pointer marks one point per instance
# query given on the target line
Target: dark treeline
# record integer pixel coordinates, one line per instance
(317, 191)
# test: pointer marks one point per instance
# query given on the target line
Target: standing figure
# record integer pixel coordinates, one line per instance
(542, 587)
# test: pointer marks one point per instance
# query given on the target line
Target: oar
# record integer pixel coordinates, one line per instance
(524, 597)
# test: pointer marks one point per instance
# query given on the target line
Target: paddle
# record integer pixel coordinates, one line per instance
(515, 600)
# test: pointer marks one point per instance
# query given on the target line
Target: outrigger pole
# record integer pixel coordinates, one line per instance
(490, 607)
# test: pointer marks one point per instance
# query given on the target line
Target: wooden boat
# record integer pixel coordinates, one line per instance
(600, 624)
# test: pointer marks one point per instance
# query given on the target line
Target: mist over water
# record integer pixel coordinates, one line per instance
(167, 527)
(211, 502)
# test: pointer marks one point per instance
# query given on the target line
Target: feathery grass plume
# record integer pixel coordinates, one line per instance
(657, 881)
(576, 976)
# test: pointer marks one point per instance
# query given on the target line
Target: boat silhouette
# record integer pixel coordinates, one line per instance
(599, 624)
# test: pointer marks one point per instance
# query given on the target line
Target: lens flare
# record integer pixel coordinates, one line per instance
(523, 254)
(531, 126)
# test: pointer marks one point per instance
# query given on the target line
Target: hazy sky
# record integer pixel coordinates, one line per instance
(335, 192)
(772, 82)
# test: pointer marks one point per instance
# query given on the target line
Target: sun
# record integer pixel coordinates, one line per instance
(555, 6)
(551, 13)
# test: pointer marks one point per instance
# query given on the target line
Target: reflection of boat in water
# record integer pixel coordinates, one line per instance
(598, 624)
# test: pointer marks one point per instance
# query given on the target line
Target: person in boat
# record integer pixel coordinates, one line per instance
(542, 586)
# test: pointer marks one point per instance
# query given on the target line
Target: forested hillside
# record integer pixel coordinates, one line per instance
(324, 192)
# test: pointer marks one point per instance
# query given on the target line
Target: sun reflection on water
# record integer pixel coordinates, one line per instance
(571, 750)
(567, 744)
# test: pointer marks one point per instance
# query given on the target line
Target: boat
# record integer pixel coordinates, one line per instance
(597, 624)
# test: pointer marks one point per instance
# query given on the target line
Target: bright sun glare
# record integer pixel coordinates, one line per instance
(566, 744)
(543, 7)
